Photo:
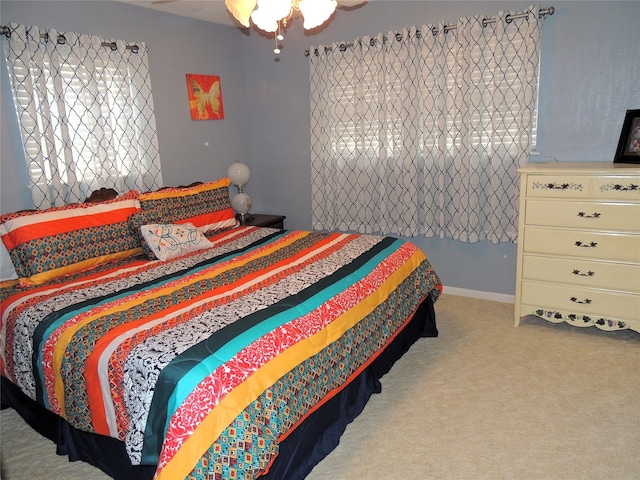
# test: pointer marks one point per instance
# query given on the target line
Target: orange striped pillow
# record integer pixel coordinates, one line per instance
(207, 206)
(44, 244)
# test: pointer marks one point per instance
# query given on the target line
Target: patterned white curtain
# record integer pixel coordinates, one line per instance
(421, 132)
(86, 114)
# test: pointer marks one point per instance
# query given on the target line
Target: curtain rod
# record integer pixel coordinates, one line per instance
(6, 31)
(543, 12)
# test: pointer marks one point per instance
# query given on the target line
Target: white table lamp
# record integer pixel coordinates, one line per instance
(241, 202)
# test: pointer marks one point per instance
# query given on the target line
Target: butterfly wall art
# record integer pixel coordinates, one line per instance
(205, 97)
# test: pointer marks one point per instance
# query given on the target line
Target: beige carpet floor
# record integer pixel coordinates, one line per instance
(484, 400)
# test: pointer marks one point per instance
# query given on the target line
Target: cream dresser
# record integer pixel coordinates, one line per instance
(579, 244)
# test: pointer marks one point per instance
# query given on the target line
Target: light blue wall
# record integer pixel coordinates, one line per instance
(589, 77)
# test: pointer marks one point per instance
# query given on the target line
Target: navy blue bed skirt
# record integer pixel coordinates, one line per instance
(304, 448)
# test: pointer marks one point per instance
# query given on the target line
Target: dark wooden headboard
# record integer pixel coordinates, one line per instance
(103, 194)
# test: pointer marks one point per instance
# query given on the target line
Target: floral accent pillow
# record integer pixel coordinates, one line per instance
(169, 241)
(147, 217)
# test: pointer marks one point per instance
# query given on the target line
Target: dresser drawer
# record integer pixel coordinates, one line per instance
(581, 272)
(594, 302)
(585, 244)
(618, 187)
(584, 214)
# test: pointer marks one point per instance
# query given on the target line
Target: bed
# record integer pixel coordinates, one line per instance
(154, 337)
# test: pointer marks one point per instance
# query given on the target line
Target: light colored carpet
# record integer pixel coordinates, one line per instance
(484, 400)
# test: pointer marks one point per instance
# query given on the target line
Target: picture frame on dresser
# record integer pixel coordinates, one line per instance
(629, 144)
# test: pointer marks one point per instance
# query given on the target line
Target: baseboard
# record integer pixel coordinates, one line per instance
(464, 292)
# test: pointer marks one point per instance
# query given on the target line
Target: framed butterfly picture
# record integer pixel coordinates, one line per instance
(205, 97)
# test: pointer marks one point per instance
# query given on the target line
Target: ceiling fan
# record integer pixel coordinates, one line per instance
(341, 3)
(271, 16)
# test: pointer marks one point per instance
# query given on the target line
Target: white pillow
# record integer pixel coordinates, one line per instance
(7, 270)
(169, 241)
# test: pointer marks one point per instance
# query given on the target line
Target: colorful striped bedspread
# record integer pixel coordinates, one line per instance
(201, 364)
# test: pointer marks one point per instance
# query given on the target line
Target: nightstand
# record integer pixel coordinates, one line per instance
(261, 220)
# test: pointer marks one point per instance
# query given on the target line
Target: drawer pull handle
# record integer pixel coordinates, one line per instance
(586, 301)
(586, 245)
(588, 274)
(584, 215)
(557, 186)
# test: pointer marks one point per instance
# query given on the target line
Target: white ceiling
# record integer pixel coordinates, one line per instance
(213, 11)
(208, 10)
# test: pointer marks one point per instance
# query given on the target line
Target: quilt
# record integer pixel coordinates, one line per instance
(202, 363)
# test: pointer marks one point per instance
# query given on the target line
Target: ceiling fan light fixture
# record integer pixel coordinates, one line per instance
(241, 10)
(269, 15)
(316, 12)
(264, 21)
(266, 14)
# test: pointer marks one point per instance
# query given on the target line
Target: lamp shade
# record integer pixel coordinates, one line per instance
(269, 13)
(316, 12)
(241, 10)
(241, 203)
(238, 173)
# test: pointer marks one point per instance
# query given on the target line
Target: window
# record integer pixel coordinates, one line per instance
(422, 133)
(86, 114)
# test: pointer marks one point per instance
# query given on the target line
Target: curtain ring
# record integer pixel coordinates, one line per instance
(6, 31)
(343, 47)
(113, 46)
(484, 22)
(508, 19)
(372, 42)
(135, 48)
(399, 37)
(61, 40)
